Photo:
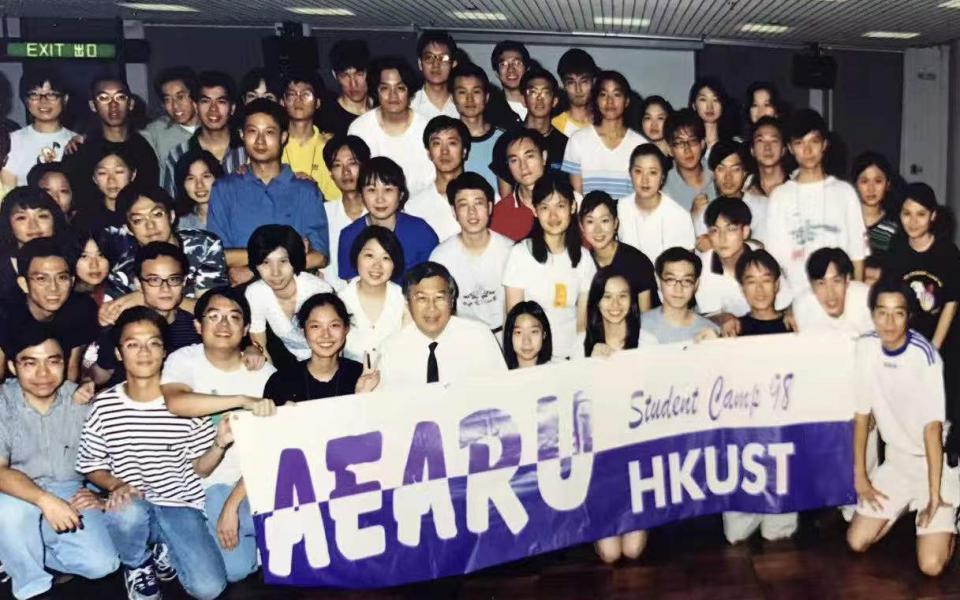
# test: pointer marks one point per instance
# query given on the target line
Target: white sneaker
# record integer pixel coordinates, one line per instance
(162, 564)
(3, 574)
(142, 582)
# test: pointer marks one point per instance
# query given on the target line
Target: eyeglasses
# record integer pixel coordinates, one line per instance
(435, 59)
(510, 62)
(48, 96)
(231, 318)
(672, 282)
(46, 280)
(152, 345)
(538, 92)
(173, 281)
(687, 144)
(305, 95)
(105, 98)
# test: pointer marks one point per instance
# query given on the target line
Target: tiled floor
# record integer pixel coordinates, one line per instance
(688, 561)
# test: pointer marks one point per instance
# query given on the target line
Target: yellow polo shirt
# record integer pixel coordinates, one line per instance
(308, 158)
(567, 126)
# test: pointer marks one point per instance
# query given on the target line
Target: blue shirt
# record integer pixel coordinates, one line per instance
(416, 238)
(241, 203)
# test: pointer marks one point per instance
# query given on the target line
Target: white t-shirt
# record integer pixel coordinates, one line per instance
(519, 107)
(434, 208)
(29, 147)
(422, 104)
(757, 203)
(804, 217)
(555, 285)
(721, 293)
(479, 277)
(189, 365)
(366, 335)
(337, 219)
(855, 320)
(666, 226)
(600, 167)
(903, 389)
(405, 149)
(264, 308)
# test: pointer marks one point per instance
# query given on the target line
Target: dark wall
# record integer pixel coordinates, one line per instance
(867, 98)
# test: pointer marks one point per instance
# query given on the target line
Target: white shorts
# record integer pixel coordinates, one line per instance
(903, 479)
(738, 526)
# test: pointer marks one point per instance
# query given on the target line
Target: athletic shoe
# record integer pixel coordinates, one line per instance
(142, 583)
(3, 574)
(162, 563)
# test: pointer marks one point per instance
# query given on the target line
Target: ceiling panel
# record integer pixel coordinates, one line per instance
(825, 21)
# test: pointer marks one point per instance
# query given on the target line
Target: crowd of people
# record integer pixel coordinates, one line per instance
(277, 242)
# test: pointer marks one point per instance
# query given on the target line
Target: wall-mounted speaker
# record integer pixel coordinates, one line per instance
(814, 71)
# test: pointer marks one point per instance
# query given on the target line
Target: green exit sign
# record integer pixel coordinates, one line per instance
(55, 50)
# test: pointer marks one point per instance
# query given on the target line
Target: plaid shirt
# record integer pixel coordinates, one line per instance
(205, 256)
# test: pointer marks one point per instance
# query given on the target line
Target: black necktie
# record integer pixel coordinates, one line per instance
(433, 371)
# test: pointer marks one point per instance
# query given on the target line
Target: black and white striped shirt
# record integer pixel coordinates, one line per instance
(146, 446)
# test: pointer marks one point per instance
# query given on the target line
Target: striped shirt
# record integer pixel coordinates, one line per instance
(881, 235)
(146, 446)
(600, 167)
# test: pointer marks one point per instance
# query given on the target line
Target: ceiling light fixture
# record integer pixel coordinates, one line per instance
(478, 15)
(318, 11)
(892, 35)
(157, 7)
(764, 28)
(621, 21)
(950, 4)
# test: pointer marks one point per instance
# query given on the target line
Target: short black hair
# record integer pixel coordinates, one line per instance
(358, 147)
(212, 79)
(311, 78)
(426, 270)
(510, 137)
(444, 123)
(129, 195)
(436, 36)
(889, 284)
(507, 46)
(23, 198)
(40, 170)
(873, 261)
(539, 73)
(232, 294)
(685, 118)
(468, 180)
(390, 243)
(120, 152)
(651, 149)
(155, 250)
(594, 199)
(40, 248)
(468, 69)
(267, 107)
(349, 54)
(384, 170)
(678, 254)
(724, 149)
(760, 258)
(768, 121)
(532, 308)
(252, 78)
(804, 121)
(821, 259)
(323, 299)
(576, 62)
(35, 78)
(267, 238)
(184, 74)
(137, 314)
(407, 75)
(95, 84)
(734, 210)
(21, 338)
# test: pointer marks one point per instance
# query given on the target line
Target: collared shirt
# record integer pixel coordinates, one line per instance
(465, 349)
(42, 447)
(231, 161)
(164, 135)
(666, 226)
(241, 203)
(416, 238)
(422, 104)
(511, 218)
(207, 265)
(308, 158)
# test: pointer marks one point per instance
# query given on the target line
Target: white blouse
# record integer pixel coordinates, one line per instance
(265, 308)
(365, 335)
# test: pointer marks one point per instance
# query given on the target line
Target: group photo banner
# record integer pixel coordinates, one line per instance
(403, 485)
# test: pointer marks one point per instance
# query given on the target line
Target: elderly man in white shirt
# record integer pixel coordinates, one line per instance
(437, 346)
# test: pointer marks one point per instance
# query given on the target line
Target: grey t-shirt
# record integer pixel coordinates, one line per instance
(683, 194)
(43, 447)
(654, 323)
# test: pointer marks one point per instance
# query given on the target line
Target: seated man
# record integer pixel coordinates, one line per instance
(436, 346)
(900, 385)
(835, 302)
(151, 462)
(160, 271)
(678, 275)
(46, 278)
(476, 256)
(759, 276)
(42, 498)
(150, 214)
(211, 378)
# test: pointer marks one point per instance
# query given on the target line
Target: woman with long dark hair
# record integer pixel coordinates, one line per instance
(527, 341)
(26, 214)
(550, 266)
(613, 315)
(874, 179)
(194, 176)
(709, 99)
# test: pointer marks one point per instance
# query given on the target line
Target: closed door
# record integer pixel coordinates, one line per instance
(923, 155)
